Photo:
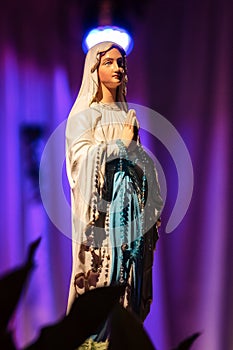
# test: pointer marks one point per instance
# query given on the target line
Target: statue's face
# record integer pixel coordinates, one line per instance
(111, 70)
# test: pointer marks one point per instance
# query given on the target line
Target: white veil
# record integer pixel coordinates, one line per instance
(90, 84)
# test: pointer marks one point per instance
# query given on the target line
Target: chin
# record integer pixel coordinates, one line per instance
(114, 85)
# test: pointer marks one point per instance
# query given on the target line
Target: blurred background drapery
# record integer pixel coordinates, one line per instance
(181, 66)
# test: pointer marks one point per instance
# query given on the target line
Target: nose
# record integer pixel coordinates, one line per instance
(117, 67)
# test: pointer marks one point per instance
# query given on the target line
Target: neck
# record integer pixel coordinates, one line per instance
(108, 95)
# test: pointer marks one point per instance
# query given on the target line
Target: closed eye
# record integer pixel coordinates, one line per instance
(107, 62)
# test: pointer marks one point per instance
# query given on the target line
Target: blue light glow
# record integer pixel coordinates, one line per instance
(108, 33)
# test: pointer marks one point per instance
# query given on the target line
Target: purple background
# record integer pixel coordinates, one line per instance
(181, 66)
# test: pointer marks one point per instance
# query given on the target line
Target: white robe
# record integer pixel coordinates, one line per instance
(91, 142)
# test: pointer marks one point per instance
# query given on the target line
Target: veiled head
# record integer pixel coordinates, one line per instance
(88, 92)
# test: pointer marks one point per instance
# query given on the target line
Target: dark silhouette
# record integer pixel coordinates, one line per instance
(187, 343)
(121, 338)
(88, 312)
(11, 287)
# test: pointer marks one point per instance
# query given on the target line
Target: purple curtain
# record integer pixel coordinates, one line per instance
(181, 68)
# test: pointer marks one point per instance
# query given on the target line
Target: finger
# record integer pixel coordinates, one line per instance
(128, 126)
(131, 115)
(132, 118)
(136, 123)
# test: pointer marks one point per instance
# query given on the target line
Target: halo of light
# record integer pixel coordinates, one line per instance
(118, 35)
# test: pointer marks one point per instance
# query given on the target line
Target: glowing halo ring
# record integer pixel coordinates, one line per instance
(115, 34)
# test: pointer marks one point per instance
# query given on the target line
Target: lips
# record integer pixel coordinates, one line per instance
(118, 76)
